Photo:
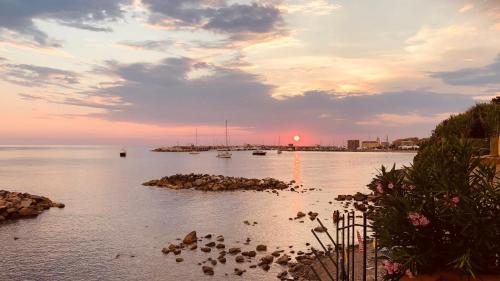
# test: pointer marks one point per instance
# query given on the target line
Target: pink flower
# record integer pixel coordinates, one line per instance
(391, 267)
(455, 200)
(391, 185)
(380, 189)
(409, 273)
(409, 186)
(418, 219)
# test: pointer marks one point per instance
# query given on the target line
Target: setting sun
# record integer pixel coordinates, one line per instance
(296, 138)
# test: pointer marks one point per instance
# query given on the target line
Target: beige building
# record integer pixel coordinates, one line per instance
(371, 144)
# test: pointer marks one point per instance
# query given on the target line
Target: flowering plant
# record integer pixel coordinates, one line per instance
(440, 214)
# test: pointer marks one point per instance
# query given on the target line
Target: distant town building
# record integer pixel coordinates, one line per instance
(370, 144)
(352, 144)
(385, 144)
(406, 143)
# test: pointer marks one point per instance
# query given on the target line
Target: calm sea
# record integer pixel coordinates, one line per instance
(108, 212)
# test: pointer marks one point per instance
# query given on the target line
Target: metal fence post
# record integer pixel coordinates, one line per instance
(347, 249)
(376, 255)
(353, 250)
(337, 245)
(364, 246)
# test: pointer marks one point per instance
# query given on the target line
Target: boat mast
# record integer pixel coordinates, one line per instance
(226, 134)
(196, 137)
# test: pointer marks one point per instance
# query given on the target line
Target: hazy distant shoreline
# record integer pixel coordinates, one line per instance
(274, 148)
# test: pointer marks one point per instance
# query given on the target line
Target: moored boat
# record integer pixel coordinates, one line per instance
(259, 152)
(194, 147)
(224, 153)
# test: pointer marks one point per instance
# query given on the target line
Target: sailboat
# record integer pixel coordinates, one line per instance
(194, 151)
(279, 145)
(224, 153)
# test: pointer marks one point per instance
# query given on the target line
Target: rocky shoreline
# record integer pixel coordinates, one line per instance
(207, 182)
(361, 202)
(15, 205)
(245, 257)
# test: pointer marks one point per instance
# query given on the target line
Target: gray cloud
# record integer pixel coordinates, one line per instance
(164, 94)
(18, 16)
(245, 18)
(482, 76)
(35, 76)
(152, 45)
(239, 21)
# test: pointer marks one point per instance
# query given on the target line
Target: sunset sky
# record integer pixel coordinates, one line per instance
(151, 71)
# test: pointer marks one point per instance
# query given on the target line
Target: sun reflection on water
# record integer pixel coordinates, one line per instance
(297, 170)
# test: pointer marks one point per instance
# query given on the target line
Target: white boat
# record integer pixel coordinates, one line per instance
(194, 151)
(224, 153)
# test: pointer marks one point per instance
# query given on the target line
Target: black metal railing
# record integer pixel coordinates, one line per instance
(342, 257)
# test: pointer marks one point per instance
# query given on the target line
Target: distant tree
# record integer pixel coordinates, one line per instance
(496, 100)
(480, 121)
(476, 128)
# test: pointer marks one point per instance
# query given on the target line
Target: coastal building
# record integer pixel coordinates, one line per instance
(371, 144)
(406, 143)
(352, 144)
(385, 144)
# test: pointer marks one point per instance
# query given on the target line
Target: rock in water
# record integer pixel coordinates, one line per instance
(261, 248)
(206, 249)
(207, 270)
(300, 215)
(27, 212)
(266, 259)
(14, 205)
(238, 271)
(190, 238)
(234, 251)
(283, 260)
(320, 229)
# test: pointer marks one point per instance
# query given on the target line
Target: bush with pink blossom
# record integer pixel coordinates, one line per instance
(440, 214)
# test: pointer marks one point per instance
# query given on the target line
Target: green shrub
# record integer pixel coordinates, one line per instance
(441, 213)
